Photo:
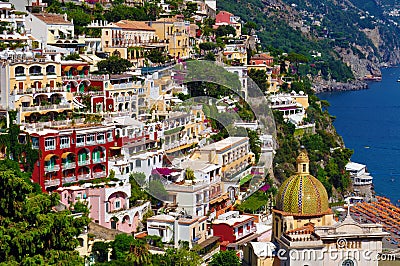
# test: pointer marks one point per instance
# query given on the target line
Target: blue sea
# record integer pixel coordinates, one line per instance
(369, 122)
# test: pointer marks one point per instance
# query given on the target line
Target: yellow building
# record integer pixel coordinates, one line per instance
(130, 40)
(176, 34)
(34, 87)
(236, 53)
(182, 130)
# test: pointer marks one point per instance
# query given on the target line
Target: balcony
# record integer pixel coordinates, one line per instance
(51, 168)
(120, 99)
(101, 141)
(64, 145)
(83, 162)
(52, 183)
(84, 177)
(50, 148)
(90, 77)
(36, 76)
(99, 160)
(68, 165)
(100, 174)
(70, 179)
(80, 144)
(46, 107)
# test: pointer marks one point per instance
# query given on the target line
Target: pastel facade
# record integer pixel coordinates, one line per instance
(175, 33)
(108, 203)
(33, 87)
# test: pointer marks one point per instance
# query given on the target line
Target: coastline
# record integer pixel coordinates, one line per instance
(332, 86)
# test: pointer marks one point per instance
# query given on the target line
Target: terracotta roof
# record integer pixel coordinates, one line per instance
(134, 25)
(52, 18)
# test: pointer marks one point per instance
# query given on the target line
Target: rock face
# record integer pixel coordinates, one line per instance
(326, 85)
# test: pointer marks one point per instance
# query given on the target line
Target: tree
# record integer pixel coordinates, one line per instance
(177, 257)
(31, 232)
(225, 30)
(156, 56)
(100, 249)
(210, 56)
(189, 174)
(225, 258)
(259, 77)
(207, 46)
(114, 65)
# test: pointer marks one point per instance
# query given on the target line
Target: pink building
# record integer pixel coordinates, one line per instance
(108, 203)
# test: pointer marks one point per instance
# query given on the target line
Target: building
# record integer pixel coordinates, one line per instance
(130, 40)
(108, 203)
(234, 230)
(260, 254)
(175, 33)
(261, 59)
(54, 29)
(235, 158)
(71, 151)
(235, 54)
(304, 223)
(33, 86)
(177, 229)
(226, 18)
(358, 174)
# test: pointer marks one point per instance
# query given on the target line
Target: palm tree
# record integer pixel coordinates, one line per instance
(138, 253)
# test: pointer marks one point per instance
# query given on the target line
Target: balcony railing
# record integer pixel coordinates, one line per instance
(69, 179)
(68, 165)
(99, 160)
(84, 177)
(99, 174)
(90, 77)
(83, 162)
(65, 145)
(51, 168)
(47, 107)
(51, 183)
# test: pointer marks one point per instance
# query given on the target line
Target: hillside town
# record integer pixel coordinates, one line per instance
(104, 121)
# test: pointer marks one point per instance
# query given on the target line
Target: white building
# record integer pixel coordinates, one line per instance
(175, 229)
(358, 173)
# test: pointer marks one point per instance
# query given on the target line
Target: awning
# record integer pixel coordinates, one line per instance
(65, 154)
(48, 157)
(67, 68)
(209, 241)
(245, 179)
(79, 68)
(115, 148)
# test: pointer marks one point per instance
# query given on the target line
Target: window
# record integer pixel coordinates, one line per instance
(90, 138)
(304, 167)
(148, 162)
(64, 142)
(35, 143)
(50, 144)
(117, 204)
(194, 232)
(100, 138)
(138, 163)
(109, 136)
(80, 140)
(202, 226)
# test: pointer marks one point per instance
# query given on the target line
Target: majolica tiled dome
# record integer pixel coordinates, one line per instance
(302, 193)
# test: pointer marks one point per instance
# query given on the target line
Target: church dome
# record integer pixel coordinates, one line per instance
(302, 194)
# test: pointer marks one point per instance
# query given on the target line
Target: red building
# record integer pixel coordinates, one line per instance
(70, 153)
(225, 17)
(261, 59)
(234, 229)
